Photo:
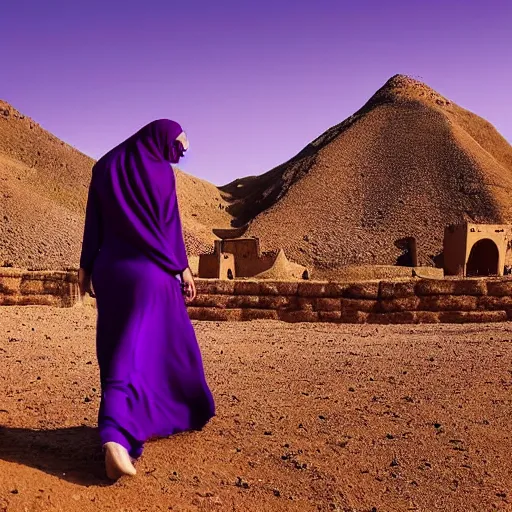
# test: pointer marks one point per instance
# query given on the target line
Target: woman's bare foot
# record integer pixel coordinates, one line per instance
(118, 462)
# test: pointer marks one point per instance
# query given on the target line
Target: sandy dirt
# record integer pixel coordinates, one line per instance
(309, 418)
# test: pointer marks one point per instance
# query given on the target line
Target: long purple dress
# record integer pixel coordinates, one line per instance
(151, 370)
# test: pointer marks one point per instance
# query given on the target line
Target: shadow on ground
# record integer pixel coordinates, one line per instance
(72, 454)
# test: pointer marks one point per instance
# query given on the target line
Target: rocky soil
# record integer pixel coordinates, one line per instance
(310, 417)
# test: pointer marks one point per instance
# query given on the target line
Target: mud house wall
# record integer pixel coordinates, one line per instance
(508, 253)
(242, 248)
(413, 246)
(496, 233)
(459, 241)
(266, 262)
(454, 250)
(249, 267)
(209, 266)
(242, 256)
(246, 253)
(226, 264)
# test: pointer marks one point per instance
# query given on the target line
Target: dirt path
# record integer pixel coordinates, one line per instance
(309, 417)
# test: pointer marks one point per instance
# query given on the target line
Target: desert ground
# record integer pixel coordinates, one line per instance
(310, 417)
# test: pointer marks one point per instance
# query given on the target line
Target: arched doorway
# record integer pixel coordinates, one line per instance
(483, 259)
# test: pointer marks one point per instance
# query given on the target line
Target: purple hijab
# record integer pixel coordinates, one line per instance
(133, 202)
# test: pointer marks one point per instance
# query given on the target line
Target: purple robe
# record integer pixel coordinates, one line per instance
(151, 371)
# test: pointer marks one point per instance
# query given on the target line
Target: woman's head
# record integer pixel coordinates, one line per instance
(164, 139)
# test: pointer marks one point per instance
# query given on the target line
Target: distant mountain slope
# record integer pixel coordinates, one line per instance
(407, 164)
(43, 193)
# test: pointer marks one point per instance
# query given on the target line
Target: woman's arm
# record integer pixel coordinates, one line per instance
(91, 240)
(189, 286)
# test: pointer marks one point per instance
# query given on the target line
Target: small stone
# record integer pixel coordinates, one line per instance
(205, 494)
(240, 482)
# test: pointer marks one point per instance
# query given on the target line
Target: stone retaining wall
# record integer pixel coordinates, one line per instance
(24, 288)
(411, 301)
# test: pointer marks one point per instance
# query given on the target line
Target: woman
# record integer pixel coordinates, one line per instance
(152, 378)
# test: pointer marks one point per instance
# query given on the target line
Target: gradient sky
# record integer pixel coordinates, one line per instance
(252, 82)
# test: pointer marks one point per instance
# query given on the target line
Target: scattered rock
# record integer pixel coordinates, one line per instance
(240, 482)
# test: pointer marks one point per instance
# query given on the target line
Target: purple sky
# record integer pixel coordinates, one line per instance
(251, 84)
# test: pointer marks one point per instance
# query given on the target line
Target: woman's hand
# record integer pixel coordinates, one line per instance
(189, 287)
(84, 284)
